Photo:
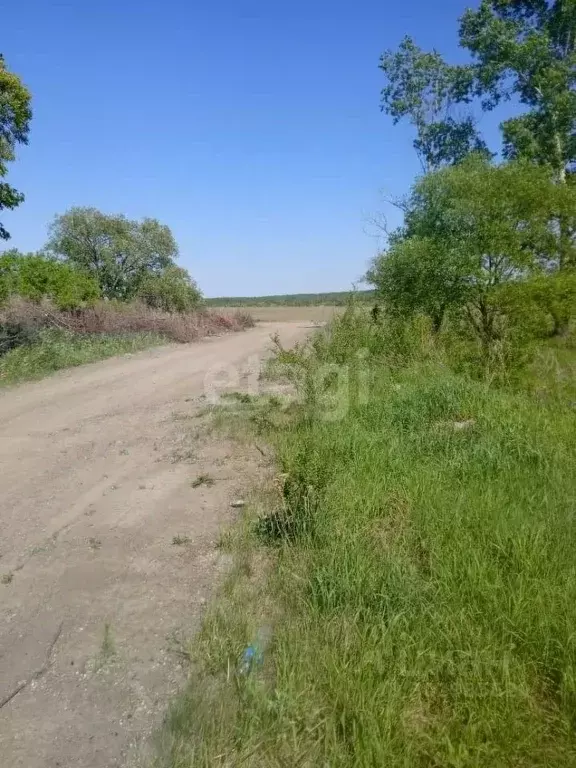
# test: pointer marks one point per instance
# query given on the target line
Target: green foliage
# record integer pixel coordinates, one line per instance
(35, 277)
(500, 218)
(173, 290)
(544, 305)
(522, 49)
(423, 88)
(556, 295)
(15, 116)
(118, 252)
(53, 350)
(526, 49)
(484, 226)
(468, 229)
(417, 274)
(423, 597)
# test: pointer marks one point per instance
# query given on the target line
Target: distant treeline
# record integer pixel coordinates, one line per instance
(338, 298)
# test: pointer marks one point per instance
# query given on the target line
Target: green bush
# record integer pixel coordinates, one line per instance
(527, 313)
(36, 277)
(173, 290)
(554, 295)
(14, 335)
(543, 306)
(472, 246)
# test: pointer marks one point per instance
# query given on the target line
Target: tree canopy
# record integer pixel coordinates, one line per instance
(481, 237)
(423, 88)
(15, 116)
(523, 49)
(119, 252)
(469, 229)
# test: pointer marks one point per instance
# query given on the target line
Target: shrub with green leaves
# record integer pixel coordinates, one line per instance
(36, 277)
(172, 290)
(419, 274)
(555, 295)
(475, 239)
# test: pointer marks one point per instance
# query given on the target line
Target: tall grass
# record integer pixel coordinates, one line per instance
(54, 350)
(425, 591)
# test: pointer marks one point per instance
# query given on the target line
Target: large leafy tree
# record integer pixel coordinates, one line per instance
(468, 230)
(119, 252)
(522, 49)
(15, 116)
(527, 49)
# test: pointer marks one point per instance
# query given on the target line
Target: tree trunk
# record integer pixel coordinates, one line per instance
(560, 159)
(438, 319)
(565, 240)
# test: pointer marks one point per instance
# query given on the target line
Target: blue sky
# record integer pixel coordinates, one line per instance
(252, 129)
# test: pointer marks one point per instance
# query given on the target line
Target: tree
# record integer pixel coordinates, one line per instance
(36, 277)
(173, 290)
(469, 229)
(423, 88)
(523, 49)
(15, 116)
(527, 49)
(119, 252)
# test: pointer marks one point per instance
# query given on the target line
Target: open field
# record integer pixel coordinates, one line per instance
(290, 314)
(335, 298)
(111, 506)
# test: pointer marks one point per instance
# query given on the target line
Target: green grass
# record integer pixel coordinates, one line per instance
(552, 374)
(61, 349)
(422, 591)
(203, 479)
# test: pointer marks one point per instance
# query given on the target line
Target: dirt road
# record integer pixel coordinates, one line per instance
(96, 470)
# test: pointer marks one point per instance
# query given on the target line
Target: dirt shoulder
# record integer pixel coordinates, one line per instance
(108, 553)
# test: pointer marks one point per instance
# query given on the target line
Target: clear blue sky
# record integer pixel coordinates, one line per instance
(251, 128)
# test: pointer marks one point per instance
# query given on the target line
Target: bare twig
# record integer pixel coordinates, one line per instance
(59, 322)
(38, 673)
